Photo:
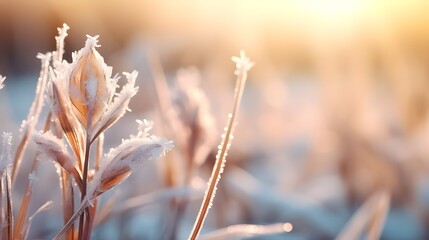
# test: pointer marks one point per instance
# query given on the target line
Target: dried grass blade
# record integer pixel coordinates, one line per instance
(70, 125)
(1, 207)
(117, 108)
(377, 223)
(220, 158)
(23, 212)
(42, 208)
(247, 230)
(25, 204)
(70, 222)
(371, 214)
(9, 208)
(33, 114)
(3, 224)
(68, 203)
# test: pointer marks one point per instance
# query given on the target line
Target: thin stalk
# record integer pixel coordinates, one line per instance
(93, 208)
(27, 226)
(68, 204)
(3, 224)
(33, 114)
(85, 179)
(220, 159)
(9, 209)
(80, 210)
(85, 173)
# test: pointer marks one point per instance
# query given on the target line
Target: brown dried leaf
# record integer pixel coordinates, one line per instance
(113, 178)
(69, 124)
(117, 108)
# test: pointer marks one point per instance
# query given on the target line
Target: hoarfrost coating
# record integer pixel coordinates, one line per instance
(6, 157)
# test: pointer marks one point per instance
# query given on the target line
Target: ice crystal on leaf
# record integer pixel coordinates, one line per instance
(117, 164)
(242, 63)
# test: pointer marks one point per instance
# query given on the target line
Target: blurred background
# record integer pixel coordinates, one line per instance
(335, 109)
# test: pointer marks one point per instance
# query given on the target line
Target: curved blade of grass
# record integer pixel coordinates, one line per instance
(242, 231)
(70, 222)
(220, 158)
(42, 208)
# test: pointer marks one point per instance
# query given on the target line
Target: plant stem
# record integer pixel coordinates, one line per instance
(220, 159)
(84, 178)
(33, 116)
(9, 212)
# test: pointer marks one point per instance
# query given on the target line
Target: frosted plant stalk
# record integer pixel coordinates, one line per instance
(33, 114)
(243, 65)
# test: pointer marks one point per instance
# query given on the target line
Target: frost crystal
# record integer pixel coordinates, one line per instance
(2, 81)
(92, 41)
(32, 178)
(6, 157)
(242, 64)
(57, 55)
(117, 165)
(143, 129)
